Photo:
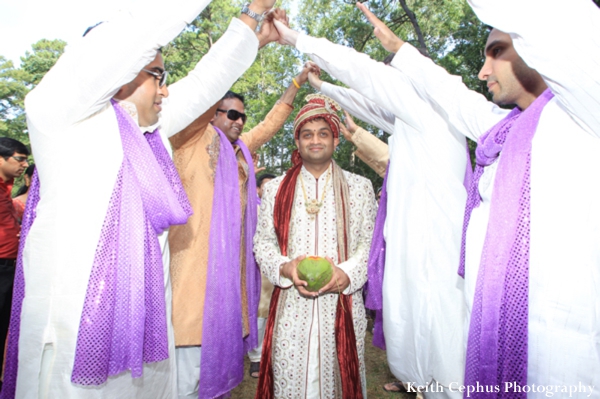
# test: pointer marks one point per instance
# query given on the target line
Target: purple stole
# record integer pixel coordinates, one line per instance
(376, 267)
(498, 332)
(123, 322)
(223, 348)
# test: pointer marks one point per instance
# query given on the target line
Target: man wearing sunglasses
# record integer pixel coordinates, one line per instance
(213, 160)
(95, 316)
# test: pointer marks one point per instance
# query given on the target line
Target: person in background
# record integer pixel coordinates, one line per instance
(13, 162)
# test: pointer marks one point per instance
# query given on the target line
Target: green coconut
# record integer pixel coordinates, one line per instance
(316, 271)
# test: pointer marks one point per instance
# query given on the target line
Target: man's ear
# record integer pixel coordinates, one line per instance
(297, 143)
(125, 91)
(336, 142)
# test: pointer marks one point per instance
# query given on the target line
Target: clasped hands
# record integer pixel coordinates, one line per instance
(339, 280)
(388, 39)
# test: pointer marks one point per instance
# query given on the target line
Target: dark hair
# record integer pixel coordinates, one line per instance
(263, 177)
(231, 94)
(9, 146)
(24, 188)
(388, 60)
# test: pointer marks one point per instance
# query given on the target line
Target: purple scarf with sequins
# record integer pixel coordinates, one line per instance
(9, 383)
(223, 349)
(498, 332)
(376, 267)
(123, 322)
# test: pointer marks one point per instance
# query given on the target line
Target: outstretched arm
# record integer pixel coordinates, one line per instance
(369, 148)
(353, 102)
(465, 110)
(273, 122)
(562, 42)
(95, 67)
(387, 87)
(218, 70)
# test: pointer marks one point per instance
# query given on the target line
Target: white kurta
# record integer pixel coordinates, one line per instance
(564, 267)
(304, 353)
(77, 147)
(423, 305)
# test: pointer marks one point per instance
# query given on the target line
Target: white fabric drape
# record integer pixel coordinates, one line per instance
(78, 152)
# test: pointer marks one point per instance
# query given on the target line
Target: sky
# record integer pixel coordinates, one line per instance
(24, 22)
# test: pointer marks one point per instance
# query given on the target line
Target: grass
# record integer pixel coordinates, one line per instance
(378, 373)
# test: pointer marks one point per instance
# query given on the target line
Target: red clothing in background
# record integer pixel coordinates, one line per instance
(9, 223)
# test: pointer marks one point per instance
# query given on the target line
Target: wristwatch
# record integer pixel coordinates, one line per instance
(246, 10)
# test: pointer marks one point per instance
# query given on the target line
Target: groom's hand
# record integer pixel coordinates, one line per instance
(388, 39)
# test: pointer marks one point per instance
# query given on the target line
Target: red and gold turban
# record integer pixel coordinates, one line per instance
(319, 106)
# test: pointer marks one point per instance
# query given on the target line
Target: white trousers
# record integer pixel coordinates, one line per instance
(255, 354)
(188, 371)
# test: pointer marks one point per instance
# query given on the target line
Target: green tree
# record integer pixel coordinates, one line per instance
(15, 83)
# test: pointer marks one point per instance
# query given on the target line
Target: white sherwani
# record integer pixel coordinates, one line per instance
(77, 147)
(423, 305)
(304, 352)
(564, 267)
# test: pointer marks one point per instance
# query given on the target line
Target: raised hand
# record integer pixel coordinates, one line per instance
(255, 160)
(350, 127)
(309, 68)
(267, 33)
(314, 75)
(350, 122)
(287, 35)
(388, 39)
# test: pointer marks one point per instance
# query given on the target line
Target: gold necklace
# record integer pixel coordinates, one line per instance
(313, 206)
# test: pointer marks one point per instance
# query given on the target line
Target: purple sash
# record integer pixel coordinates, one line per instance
(376, 267)
(9, 384)
(498, 333)
(123, 322)
(223, 349)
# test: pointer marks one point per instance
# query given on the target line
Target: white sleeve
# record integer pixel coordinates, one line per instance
(561, 40)
(465, 110)
(361, 107)
(92, 69)
(385, 86)
(206, 84)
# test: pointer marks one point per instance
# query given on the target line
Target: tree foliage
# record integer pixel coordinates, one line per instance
(15, 83)
(447, 30)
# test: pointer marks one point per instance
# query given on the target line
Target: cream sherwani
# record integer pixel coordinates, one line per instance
(564, 267)
(423, 305)
(304, 353)
(70, 118)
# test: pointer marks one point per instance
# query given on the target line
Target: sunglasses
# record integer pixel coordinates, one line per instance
(160, 76)
(234, 115)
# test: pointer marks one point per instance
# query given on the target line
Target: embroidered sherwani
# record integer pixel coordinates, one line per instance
(305, 363)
